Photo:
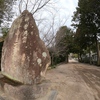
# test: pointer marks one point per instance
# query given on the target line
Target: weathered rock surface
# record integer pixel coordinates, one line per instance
(10, 90)
(25, 57)
(27, 92)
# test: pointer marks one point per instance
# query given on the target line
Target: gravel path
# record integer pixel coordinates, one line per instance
(72, 81)
(75, 81)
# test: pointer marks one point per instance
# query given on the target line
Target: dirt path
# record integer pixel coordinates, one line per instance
(72, 81)
(75, 81)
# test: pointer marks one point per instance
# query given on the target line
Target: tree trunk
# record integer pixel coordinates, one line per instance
(78, 57)
(67, 58)
(98, 50)
(90, 56)
(98, 53)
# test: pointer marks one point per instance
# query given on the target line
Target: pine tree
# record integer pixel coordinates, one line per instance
(87, 21)
(6, 10)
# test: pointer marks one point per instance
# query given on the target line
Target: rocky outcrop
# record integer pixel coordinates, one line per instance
(12, 90)
(42, 91)
(25, 58)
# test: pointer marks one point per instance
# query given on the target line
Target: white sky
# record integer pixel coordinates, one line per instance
(64, 13)
(70, 7)
(67, 7)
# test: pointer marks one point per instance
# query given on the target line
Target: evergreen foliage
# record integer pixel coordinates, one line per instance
(87, 22)
(6, 10)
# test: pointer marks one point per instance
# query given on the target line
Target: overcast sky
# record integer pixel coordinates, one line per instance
(66, 11)
(67, 7)
(70, 7)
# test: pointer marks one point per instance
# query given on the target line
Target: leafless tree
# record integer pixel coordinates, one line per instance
(34, 5)
(46, 16)
(53, 26)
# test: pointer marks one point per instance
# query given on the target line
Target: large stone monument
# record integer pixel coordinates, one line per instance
(25, 58)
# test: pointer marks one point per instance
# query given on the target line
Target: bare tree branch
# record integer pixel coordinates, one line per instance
(20, 6)
(34, 5)
(26, 4)
(41, 6)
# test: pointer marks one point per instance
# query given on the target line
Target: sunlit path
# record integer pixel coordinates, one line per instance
(75, 81)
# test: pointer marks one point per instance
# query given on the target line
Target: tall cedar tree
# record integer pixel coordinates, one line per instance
(6, 10)
(87, 21)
